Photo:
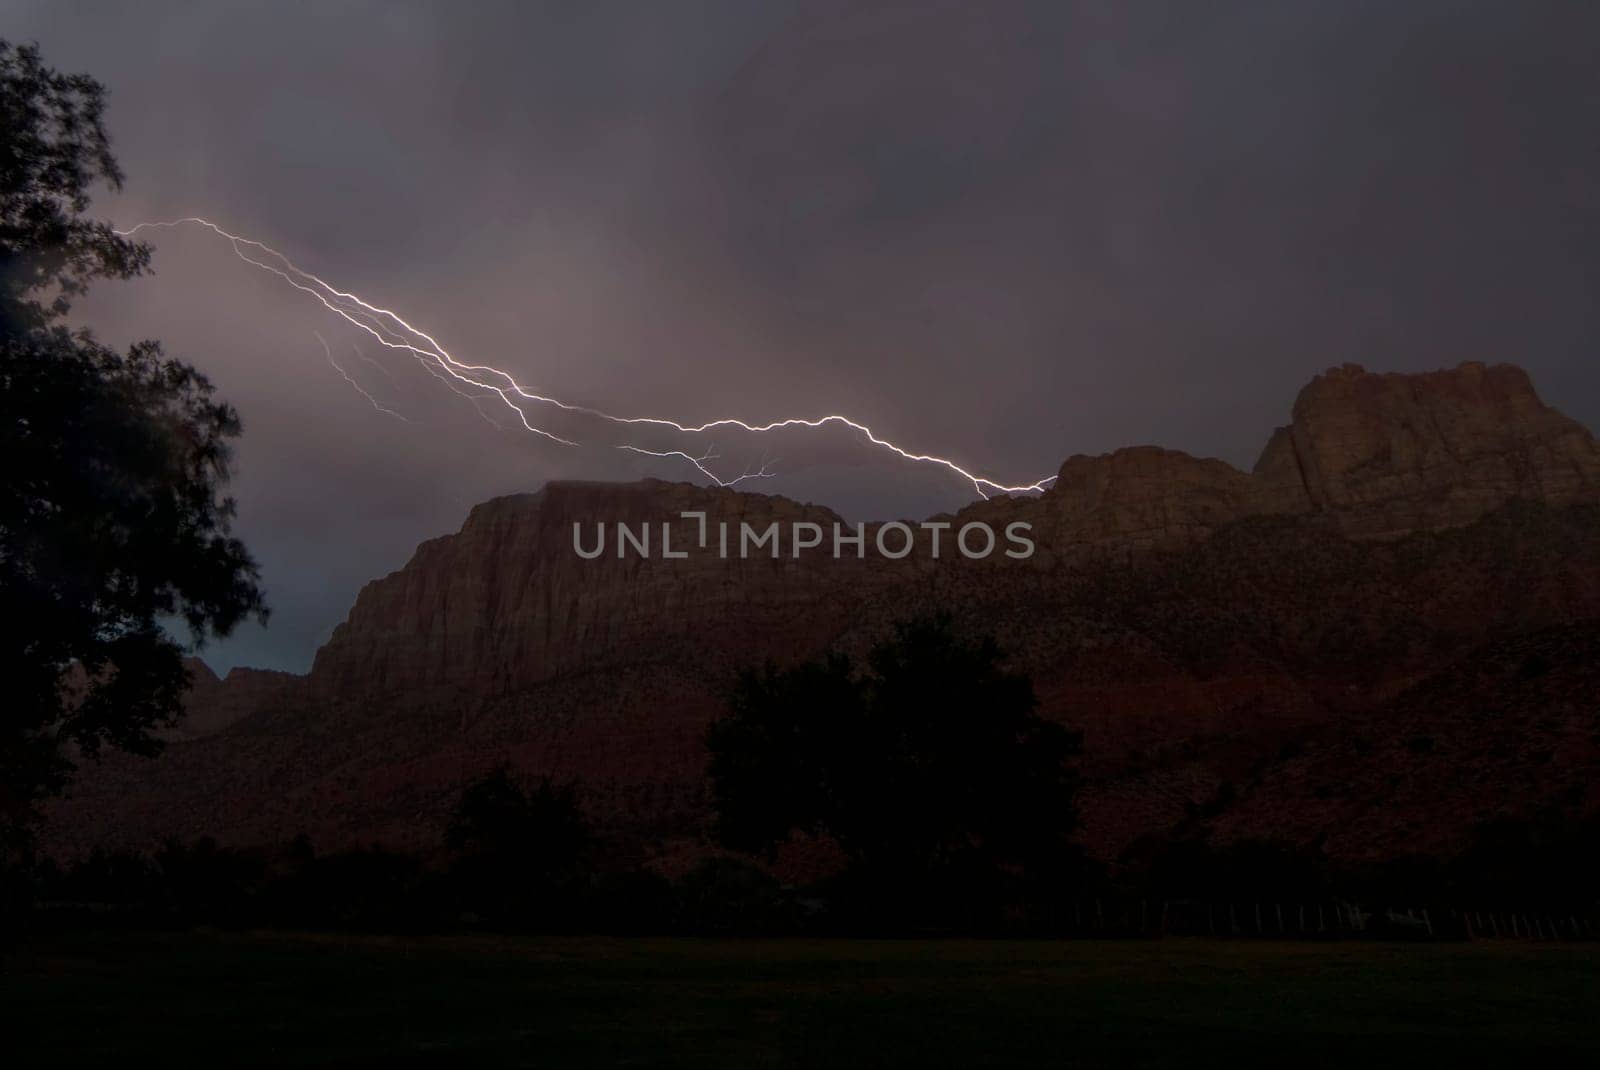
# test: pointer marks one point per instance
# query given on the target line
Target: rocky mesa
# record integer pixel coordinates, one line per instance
(1192, 618)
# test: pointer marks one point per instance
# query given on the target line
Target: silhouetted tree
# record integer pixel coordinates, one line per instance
(930, 764)
(1242, 871)
(365, 888)
(497, 816)
(1541, 858)
(516, 848)
(730, 896)
(782, 759)
(112, 519)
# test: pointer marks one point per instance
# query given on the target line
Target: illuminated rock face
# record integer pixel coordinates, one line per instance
(1384, 455)
(506, 602)
(1377, 455)
(1185, 614)
(1138, 499)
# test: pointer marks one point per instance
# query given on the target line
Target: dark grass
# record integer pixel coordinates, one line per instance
(226, 999)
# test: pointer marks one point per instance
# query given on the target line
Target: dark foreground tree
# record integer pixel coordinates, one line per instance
(497, 815)
(930, 767)
(517, 850)
(113, 524)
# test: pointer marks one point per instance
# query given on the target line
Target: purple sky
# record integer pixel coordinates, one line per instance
(1005, 232)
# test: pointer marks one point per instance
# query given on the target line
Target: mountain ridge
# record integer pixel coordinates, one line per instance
(1190, 616)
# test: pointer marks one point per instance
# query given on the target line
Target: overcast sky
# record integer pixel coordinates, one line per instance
(1003, 232)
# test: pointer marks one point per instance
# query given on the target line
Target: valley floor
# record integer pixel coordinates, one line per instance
(257, 999)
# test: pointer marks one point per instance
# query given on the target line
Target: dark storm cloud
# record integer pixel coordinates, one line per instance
(1006, 231)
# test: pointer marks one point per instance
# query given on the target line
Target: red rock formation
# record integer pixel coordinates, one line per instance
(1389, 454)
(1140, 499)
(1189, 616)
(214, 703)
(507, 603)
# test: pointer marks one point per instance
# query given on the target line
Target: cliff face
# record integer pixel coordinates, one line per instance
(1384, 455)
(1190, 617)
(1378, 455)
(506, 602)
(1139, 499)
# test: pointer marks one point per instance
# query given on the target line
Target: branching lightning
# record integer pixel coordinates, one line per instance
(764, 472)
(376, 404)
(361, 356)
(480, 382)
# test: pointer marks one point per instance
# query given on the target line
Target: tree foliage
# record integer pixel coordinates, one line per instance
(518, 850)
(931, 759)
(498, 816)
(53, 152)
(113, 520)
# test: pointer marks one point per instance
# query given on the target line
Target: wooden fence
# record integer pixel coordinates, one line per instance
(1329, 919)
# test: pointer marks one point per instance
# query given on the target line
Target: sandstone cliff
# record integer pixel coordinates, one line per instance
(1388, 454)
(1378, 455)
(506, 603)
(1193, 619)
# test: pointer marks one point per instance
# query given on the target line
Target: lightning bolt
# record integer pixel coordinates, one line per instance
(392, 331)
(764, 472)
(351, 380)
(387, 374)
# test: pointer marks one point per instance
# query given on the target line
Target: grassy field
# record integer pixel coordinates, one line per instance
(226, 999)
